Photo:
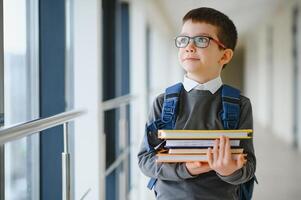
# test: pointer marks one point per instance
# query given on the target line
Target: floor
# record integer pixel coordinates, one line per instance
(278, 168)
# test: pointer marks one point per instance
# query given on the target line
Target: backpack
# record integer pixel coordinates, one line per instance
(229, 114)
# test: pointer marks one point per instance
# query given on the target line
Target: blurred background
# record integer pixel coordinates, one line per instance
(112, 58)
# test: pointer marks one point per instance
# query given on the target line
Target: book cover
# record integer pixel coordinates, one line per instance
(195, 143)
(170, 158)
(198, 151)
(204, 134)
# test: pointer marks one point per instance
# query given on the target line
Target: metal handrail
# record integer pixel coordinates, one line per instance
(118, 161)
(18, 131)
(116, 102)
(120, 103)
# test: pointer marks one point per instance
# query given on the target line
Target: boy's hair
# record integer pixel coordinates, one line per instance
(227, 33)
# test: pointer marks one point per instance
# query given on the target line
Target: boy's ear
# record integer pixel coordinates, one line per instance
(226, 57)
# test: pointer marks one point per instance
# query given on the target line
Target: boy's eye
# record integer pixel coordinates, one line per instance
(183, 40)
(201, 40)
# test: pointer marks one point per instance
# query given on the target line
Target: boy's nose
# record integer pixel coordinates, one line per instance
(190, 47)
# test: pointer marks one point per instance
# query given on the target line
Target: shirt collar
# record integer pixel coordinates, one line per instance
(212, 85)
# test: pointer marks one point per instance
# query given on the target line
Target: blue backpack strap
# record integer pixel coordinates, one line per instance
(230, 116)
(230, 107)
(171, 99)
(246, 189)
(167, 119)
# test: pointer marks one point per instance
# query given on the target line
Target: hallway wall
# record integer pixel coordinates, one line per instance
(233, 73)
(153, 66)
(269, 71)
(89, 142)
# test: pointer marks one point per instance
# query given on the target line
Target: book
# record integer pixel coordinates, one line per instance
(170, 158)
(195, 143)
(204, 134)
(198, 151)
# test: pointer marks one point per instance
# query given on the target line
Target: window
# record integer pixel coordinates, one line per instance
(20, 28)
(116, 76)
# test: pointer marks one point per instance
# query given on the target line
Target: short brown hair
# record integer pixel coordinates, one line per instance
(227, 33)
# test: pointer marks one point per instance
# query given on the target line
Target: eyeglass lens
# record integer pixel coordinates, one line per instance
(199, 41)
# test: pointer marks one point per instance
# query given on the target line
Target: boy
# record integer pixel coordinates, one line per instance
(206, 45)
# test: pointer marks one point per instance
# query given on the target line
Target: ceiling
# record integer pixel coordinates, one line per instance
(245, 14)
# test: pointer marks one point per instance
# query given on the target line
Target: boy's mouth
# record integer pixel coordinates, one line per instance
(191, 59)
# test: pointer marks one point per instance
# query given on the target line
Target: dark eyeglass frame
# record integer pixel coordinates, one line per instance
(200, 36)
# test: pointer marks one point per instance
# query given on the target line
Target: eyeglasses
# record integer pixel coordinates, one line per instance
(199, 41)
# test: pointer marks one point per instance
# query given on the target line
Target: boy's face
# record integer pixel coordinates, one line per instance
(202, 64)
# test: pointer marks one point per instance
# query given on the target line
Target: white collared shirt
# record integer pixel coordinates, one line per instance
(212, 85)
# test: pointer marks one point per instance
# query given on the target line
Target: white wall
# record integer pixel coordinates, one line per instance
(299, 77)
(261, 79)
(164, 69)
(283, 75)
(1, 89)
(89, 155)
(138, 89)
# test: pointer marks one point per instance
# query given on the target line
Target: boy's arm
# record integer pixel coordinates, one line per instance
(147, 161)
(248, 170)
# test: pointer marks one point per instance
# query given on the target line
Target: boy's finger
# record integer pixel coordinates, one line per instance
(227, 154)
(205, 164)
(240, 161)
(221, 148)
(215, 150)
(194, 164)
(209, 155)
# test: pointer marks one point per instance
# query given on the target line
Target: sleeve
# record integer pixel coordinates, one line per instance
(147, 160)
(247, 171)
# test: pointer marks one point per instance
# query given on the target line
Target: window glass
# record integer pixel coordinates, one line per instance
(20, 24)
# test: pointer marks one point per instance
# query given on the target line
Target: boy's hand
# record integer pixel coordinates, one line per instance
(220, 159)
(196, 168)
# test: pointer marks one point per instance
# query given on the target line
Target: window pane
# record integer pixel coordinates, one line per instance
(21, 96)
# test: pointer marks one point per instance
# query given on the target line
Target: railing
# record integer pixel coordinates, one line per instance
(120, 103)
(18, 131)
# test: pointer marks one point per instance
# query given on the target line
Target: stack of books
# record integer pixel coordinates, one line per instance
(192, 145)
